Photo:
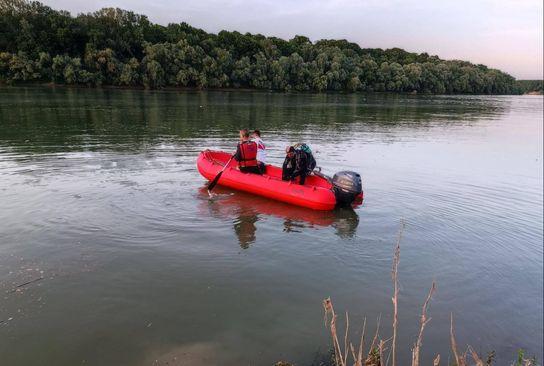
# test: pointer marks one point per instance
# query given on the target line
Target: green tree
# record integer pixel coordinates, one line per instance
(130, 73)
(118, 47)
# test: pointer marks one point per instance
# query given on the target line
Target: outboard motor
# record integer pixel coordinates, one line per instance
(348, 188)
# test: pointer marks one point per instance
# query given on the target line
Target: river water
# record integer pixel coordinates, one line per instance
(123, 259)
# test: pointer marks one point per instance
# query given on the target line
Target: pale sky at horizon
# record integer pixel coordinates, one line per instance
(504, 34)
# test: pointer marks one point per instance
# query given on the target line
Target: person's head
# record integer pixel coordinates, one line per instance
(256, 133)
(244, 134)
(290, 151)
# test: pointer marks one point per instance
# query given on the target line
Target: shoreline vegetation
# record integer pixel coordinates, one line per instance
(218, 89)
(118, 48)
(383, 352)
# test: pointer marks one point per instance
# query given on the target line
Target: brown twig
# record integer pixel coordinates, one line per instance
(346, 340)
(352, 349)
(327, 306)
(423, 323)
(359, 359)
(475, 357)
(394, 276)
(459, 360)
(337, 349)
(381, 348)
(375, 339)
(327, 303)
(377, 349)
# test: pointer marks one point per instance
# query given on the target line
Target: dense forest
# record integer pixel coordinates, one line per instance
(121, 48)
(530, 86)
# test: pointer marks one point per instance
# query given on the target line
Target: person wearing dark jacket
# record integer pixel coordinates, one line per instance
(295, 165)
(289, 163)
(246, 154)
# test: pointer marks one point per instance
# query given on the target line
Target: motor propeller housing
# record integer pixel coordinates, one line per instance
(348, 188)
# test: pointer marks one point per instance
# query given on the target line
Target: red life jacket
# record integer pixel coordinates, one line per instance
(248, 152)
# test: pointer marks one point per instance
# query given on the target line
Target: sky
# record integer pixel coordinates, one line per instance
(503, 34)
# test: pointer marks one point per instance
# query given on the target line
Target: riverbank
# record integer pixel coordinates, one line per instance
(221, 89)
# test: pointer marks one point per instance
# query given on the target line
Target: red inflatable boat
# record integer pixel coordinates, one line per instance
(318, 193)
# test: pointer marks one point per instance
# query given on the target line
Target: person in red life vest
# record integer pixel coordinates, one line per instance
(246, 154)
(261, 150)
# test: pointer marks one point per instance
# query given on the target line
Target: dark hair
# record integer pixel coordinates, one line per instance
(244, 132)
(257, 132)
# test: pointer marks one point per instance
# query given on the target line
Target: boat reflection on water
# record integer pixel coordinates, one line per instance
(246, 210)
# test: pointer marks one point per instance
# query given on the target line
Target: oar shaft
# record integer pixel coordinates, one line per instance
(213, 183)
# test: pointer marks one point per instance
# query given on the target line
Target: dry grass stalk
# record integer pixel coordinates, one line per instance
(359, 359)
(395, 299)
(375, 339)
(359, 356)
(423, 323)
(341, 356)
(329, 309)
(381, 348)
(352, 349)
(346, 340)
(377, 349)
(459, 360)
(475, 357)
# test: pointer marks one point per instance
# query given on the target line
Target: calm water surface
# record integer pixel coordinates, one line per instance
(101, 206)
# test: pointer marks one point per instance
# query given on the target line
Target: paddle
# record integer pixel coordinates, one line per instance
(213, 183)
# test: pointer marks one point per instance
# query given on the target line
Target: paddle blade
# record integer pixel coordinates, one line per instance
(213, 183)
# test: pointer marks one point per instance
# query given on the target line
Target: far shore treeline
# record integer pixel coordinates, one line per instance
(120, 48)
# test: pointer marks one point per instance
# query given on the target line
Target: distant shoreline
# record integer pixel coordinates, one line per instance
(222, 89)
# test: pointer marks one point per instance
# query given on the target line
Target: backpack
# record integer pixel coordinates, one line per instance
(311, 163)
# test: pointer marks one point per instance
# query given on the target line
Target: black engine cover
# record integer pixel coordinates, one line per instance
(347, 186)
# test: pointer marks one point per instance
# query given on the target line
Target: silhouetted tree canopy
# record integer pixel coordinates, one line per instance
(119, 47)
